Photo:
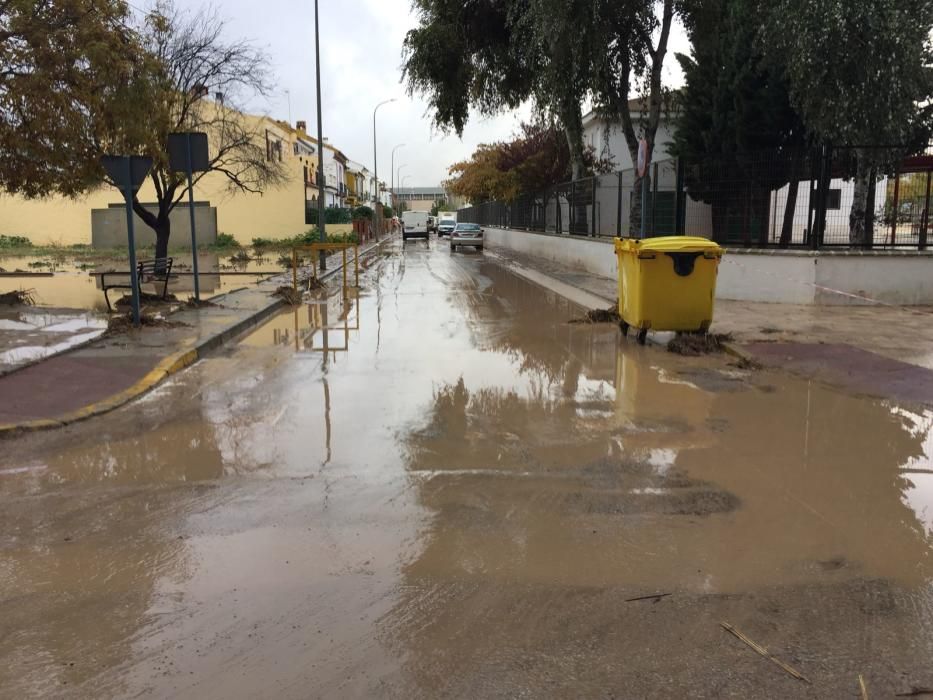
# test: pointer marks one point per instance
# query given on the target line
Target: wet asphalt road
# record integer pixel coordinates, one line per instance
(453, 492)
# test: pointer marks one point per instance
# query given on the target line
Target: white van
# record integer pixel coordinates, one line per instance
(414, 224)
(446, 224)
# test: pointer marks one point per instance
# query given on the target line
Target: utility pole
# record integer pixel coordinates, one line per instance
(392, 188)
(320, 140)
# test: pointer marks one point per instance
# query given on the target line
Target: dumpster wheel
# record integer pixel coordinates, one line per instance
(642, 336)
(624, 327)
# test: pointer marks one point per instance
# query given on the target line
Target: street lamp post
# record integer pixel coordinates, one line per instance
(392, 189)
(320, 141)
(375, 159)
(395, 177)
(402, 184)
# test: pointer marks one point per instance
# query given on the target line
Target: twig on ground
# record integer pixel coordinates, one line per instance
(656, 597)
(862, 687)
(764, 652)
(914, 692)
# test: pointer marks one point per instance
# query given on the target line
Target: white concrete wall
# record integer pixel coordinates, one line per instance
(780, 279)
(777, 276)
(890, 278)
(592, 255)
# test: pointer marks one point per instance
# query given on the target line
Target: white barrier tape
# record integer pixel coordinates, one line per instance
(731, 259)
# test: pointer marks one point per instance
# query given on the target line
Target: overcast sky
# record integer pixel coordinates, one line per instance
(361, 43)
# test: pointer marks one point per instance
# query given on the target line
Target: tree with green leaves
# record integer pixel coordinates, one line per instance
(197, 82)
(860, 74)
(67, 72)
(735, 117)
(493, 55)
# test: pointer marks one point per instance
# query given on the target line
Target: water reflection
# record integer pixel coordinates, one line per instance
(76, 285)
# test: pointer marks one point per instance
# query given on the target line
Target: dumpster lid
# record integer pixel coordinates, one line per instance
(670, 244)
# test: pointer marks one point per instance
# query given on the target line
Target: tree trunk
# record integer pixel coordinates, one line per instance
(858, 233)
(160, 223)
(790, 208)
(573, 130)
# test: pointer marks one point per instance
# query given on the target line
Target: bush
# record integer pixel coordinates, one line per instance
(15, 242)
(260, 243)
(363, 213)
(225, 240)
(388, 212)
(336, 215)
(342, 238)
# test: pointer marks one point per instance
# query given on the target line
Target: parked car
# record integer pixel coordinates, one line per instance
(414, 224)
(466, 234)
(446, 226)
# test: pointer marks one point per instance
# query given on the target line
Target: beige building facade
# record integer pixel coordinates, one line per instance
(277, 213)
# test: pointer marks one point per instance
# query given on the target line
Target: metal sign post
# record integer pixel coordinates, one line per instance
(128, 174)
(187, 152)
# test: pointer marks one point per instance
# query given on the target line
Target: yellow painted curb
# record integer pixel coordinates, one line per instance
(165, 368)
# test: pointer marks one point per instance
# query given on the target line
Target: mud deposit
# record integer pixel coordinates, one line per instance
(439, 488)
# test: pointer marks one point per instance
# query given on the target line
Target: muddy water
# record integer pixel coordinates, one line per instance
(73, 285)
(438, 487)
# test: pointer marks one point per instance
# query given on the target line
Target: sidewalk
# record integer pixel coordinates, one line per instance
(879, 350)
(112, 371)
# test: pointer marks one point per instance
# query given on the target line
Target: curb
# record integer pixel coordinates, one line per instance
(164, 369)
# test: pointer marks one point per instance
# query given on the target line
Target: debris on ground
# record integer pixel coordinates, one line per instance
(768, 330)
(291, 295)
(862, 687)
(764, 652)
(316, 283)
(124, 322)
(146, 298)
(610, 315)
(915, 691)
(746, 363)
(696, 344)
(23, 297)
(193, 303)
(656, 597)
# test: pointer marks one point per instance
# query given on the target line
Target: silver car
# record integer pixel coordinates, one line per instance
(467, 234)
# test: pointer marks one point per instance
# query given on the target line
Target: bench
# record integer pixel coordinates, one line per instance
(147, 271)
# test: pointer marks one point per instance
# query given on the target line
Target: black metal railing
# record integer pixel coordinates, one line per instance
(801, 199)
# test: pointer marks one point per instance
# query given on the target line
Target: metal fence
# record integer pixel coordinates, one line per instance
(801, 199)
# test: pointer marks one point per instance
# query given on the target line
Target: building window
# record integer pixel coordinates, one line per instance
(834, 199)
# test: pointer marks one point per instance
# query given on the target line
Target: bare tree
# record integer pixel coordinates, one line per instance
(196, 83)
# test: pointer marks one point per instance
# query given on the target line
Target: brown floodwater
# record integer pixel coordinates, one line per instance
(74, 286)
(437, 487)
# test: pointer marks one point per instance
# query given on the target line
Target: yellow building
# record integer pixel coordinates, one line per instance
(275, 214)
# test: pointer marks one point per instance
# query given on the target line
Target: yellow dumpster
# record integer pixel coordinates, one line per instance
(667, 284)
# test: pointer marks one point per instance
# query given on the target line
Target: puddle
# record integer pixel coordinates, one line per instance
(74, 286)
(443, 488)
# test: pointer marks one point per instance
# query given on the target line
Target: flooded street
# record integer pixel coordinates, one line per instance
(438, 487)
